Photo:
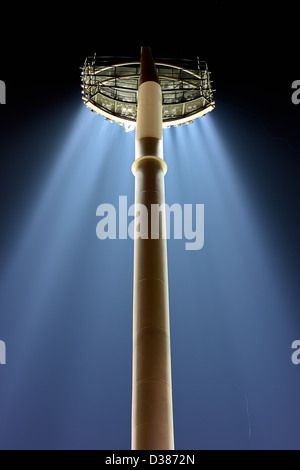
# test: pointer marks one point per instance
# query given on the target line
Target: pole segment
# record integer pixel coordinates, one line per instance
(152, 409)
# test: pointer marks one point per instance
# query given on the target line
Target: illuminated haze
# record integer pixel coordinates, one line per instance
(66, 296)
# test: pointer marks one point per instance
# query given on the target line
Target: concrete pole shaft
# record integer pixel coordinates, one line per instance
(152, 411)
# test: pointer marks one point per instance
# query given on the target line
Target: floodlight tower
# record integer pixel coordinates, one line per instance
(149, 96)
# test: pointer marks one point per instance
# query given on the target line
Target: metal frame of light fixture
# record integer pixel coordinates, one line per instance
(110, 88)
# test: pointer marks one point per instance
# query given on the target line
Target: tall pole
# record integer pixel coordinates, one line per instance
(152, 410)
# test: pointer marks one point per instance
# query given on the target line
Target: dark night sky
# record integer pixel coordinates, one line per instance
(49, 402)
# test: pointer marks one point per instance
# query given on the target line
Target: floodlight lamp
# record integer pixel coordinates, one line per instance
(110, 88)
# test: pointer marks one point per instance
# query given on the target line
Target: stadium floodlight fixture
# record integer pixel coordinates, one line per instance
(110, 88)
